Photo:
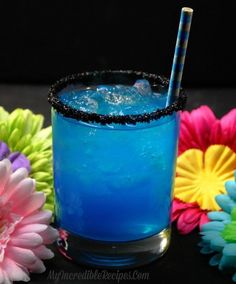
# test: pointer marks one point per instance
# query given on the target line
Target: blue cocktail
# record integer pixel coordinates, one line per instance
(114, 147)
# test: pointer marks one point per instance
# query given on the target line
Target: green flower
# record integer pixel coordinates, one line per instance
(22, 131)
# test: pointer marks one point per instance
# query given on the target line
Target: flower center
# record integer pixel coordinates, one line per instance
(229, 232)
(208, 182)
(2, 239)
(1, 227)
(8, 222)
(209, 185)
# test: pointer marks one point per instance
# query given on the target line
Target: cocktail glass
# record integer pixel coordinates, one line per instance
(114, 175)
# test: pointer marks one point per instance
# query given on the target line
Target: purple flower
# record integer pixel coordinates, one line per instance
(17, 159)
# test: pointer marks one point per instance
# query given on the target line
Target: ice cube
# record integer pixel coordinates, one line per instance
(87, 104)
(143, 87)
(108, 94)
(118, 95)
(104, 90)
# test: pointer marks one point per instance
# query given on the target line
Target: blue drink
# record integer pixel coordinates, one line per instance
(113, 181)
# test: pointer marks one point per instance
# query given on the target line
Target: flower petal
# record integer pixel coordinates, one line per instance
(43, 252)
(4, 150)
(30, 204)
(225, 202)
(14, 271)
(178, 207)
(186, 227)
(191, 215)
(195, 129)
(231, 189)
(206, 198)
(230, 249)
(19, 161)
(217, 243)
(228, 124)
(215, 260)
(219, 216)
(213, 226)
(200, 128)
(49, 235)
(203, 219)
(3, 114)
(30, 228)
(221, 160)
(21, 191)
(200, 177)
(26, 240)
(206, 250)
(15, 179)
(22, 256)
(208, 235)
(5, 171)
(203, 118)
(190, 161)
(216, 136)
(37, 267)
(42, 217)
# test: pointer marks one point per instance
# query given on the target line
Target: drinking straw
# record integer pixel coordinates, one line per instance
(179, 55)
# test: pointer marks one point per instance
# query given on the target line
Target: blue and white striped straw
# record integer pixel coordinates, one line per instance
(179, 56)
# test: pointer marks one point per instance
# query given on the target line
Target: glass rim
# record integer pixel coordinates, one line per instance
(90, 117)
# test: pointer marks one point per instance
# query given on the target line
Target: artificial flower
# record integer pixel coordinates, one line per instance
(200, 128)
(219, 235)
(201, 175)
(24, 226)
(203, 165)
(23, 140)
(188, 216)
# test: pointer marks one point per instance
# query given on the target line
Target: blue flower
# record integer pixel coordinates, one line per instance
(219, 235)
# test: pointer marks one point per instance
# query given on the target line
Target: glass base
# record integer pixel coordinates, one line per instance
(113, 255)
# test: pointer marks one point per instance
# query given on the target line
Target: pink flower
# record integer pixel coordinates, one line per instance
(200, 129)
(188, 216)
(24, 226)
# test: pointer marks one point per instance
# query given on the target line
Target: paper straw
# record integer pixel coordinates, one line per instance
(179, 56)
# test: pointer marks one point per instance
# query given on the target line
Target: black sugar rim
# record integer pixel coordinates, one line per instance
(89, 117)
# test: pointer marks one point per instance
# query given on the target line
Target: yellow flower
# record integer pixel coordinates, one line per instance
(202, 175)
